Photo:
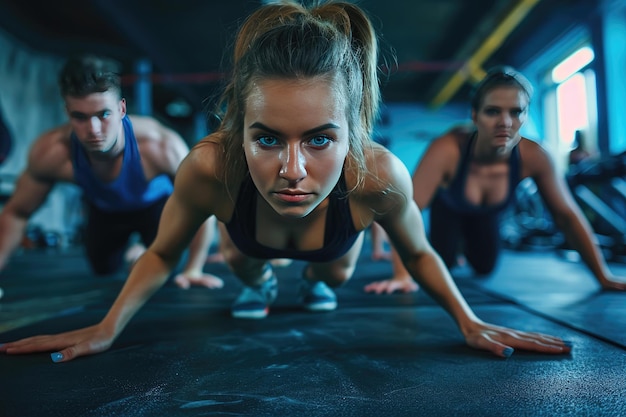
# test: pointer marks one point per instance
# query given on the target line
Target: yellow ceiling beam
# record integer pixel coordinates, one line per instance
(472, 70)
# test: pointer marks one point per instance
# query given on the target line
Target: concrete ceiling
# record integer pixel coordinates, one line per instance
(424, 42)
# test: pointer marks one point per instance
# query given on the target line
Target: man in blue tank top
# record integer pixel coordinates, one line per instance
(124, 165)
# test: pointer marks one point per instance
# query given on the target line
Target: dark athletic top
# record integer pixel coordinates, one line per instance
(453, 197)
(129, 191)
(339, 232)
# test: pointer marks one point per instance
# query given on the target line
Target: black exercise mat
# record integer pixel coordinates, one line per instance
(351, 362)
(41, 284)
(375, 355)
(563, 290)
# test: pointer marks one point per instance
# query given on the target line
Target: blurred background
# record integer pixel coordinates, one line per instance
(174, 55)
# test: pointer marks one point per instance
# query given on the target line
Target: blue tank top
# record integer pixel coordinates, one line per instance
(129, 191)
(453, 197)
(339, 231)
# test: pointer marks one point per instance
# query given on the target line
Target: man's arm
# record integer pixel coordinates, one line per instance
(47, 163)
(172, 151)
(29, 195)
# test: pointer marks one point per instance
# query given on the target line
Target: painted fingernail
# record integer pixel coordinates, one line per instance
(507, 352)
(56, 356)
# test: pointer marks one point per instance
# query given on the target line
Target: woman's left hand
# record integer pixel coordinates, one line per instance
(185, 280)
(613, 283)
(503, 341)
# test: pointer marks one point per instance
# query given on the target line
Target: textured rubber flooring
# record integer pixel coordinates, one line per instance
(374, 356)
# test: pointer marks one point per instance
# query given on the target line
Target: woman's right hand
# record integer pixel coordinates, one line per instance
(64, 346)
(395, 284)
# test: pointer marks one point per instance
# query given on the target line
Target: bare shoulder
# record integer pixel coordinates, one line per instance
(383, 167)
(440, 161)
(50, 153)
(386, 183)
(530, 146)
(158, 144)
(200, 178)
(205, 158)
(535, 159)
(147, 128)
(449, 144)
(443, 154)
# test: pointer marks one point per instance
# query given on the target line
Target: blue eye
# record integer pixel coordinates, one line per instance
(105, 115)
(320, 141)
(267, 141)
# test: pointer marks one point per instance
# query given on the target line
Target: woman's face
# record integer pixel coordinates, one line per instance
(501, 115)
(295, 142)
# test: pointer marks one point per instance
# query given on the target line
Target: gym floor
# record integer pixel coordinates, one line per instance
(394, 355)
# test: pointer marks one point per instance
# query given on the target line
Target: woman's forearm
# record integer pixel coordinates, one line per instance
(433, 276)
(148, 274)
(580, 235)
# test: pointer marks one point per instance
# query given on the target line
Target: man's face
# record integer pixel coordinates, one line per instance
(96, 119)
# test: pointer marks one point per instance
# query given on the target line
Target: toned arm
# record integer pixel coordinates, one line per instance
(191, 203)
(188, 207)
(566, 213)
(403, 224)
(162, 149)
(435, 168)
(46, 161)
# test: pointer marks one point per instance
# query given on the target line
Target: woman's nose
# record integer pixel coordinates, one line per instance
(293, 163)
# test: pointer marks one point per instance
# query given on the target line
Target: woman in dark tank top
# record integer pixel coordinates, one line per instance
(468, 178)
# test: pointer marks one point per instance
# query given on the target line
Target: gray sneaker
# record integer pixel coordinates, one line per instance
(317, 296)
(254, 302)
